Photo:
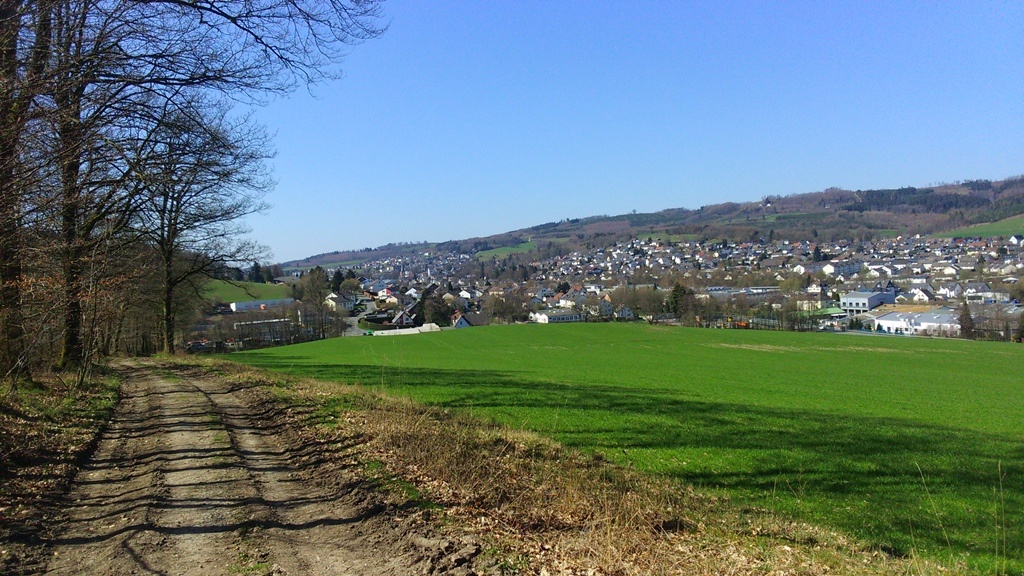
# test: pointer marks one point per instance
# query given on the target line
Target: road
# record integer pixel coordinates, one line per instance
(198, 476)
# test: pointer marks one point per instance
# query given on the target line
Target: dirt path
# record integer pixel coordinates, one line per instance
(195, 477)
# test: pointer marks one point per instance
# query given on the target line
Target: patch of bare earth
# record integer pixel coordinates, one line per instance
(195, 475)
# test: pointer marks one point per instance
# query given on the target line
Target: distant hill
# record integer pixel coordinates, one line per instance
(353, 258)
(832, 214)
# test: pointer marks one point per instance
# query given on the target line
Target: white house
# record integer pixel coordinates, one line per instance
(337, 302)
(921, 294)
(951, 291)
(842, 267)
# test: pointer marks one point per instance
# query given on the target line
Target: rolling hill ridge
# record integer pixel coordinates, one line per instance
(829, 215)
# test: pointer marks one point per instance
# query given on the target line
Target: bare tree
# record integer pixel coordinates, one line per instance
(202, 171)
(24, 49)
(315, 289)
(98, 76)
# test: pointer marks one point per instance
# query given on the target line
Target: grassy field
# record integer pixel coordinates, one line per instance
(671, 238)
(914, 445)
(221, 291)
(1004, 228)
(505, 251)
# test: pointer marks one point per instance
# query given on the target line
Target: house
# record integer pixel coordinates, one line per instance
(817, 288)
(460, 320)
(404, 318)
(1016, 240)
(921, 294)
(376, 286)
(950, 270)
(809, 267)
(951, 291)
(388, 299)
(345, 301)
(625, 313)
(842, 267)
(976, 288)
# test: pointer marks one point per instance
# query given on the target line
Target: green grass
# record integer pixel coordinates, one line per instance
(1004, 228)
(221, 291)
(505, 251)
(912, 444)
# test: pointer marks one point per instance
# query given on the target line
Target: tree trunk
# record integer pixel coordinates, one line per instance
(15, 96)
(168, 297)
(71, 346)
(70, 135)
(11, 330)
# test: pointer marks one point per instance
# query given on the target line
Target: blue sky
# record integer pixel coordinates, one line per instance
(469, 119)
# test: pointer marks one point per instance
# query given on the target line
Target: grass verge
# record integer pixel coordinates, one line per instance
(550, 509)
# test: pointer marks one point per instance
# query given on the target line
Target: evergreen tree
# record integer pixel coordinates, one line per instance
(256, 274)
(966, 322)
(336, 279)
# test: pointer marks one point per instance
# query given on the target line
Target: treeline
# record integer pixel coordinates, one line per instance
(904, 198)
(125, 164)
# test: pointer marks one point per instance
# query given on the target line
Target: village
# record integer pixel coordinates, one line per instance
(904, 286)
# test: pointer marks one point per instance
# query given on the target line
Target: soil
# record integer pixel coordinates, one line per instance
(195, 475)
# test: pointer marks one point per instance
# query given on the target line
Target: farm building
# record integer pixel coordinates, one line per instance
(938, 323)
(260, 304)
(555, 316)
(857, 302)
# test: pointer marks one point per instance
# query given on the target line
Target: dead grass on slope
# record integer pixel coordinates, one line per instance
(46, 428)
(552, 510)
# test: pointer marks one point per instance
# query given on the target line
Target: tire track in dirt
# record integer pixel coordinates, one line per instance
(193, 476)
